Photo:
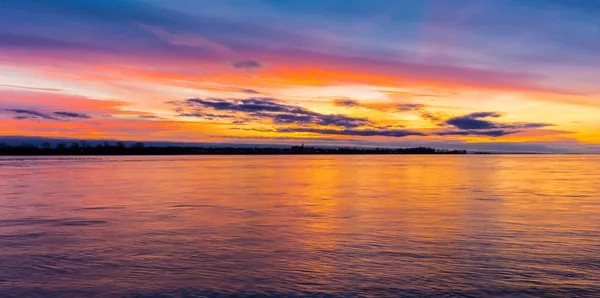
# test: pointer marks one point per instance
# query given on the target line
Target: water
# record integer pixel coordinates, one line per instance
(195, 226)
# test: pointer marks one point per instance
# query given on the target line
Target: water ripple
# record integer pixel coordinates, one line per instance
(302, 226)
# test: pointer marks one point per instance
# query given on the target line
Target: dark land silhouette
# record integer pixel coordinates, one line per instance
(120, 148)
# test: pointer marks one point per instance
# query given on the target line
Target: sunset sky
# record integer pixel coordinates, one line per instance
(511, 75)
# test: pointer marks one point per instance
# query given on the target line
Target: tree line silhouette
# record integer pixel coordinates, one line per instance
(139, 148)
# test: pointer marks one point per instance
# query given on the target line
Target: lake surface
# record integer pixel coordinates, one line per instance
(325, 226)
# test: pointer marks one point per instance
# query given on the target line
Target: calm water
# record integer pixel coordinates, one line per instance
(415, 226)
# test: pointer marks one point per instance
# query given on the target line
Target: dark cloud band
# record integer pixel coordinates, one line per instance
(23, 114)
(266, 108)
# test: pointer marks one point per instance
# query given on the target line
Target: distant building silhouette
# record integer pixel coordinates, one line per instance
(302, 148)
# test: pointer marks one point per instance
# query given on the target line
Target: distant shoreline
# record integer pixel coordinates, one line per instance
(119, 149)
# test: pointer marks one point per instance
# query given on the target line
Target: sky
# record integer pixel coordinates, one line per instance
(511, 75)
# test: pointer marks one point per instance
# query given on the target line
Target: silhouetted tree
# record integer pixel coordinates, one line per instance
(138, 145)
(29, 148)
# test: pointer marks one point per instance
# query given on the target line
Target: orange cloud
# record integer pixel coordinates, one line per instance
(21, 99)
